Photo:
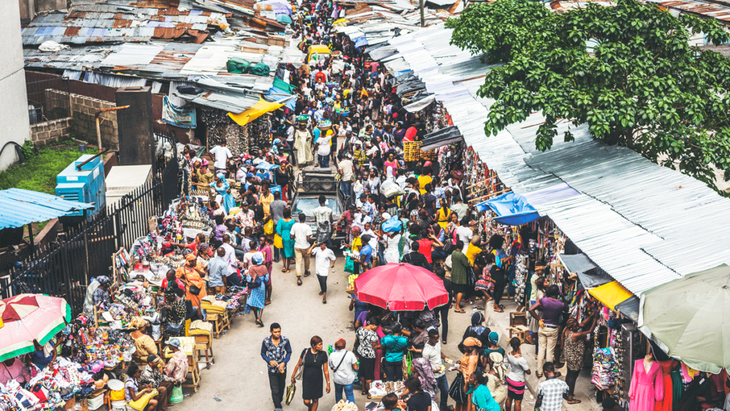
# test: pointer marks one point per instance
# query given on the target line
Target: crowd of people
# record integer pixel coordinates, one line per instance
(349, 119)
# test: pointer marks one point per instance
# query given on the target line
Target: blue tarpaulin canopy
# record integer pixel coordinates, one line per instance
(265, 165)
(20, 207)
(512, 209)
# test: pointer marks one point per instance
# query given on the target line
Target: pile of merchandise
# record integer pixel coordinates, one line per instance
(604, 368)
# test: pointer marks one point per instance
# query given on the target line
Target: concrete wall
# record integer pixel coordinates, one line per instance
(14, 123)
(83, 110)
(50, 131)
(29, 8)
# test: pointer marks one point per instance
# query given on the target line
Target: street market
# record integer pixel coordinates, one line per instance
(365, 175)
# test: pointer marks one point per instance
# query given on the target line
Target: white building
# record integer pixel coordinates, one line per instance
(14, 123)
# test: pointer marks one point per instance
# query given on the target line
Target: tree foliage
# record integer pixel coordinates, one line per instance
(501, 28)
(641, 85)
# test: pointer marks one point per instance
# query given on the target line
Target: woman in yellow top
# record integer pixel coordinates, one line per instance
(444, 213)
(266, 199)
(144, 343)
(473, 249)
(356, 245)
(191, 274)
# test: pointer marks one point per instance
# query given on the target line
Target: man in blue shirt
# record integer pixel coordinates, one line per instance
(218, 272)
(366, 252)
(276, 351)
(395, 346)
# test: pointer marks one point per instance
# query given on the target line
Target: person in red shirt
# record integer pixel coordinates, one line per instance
(426, 244)
(410, 134)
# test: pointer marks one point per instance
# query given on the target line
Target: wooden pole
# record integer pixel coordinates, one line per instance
(423, 22)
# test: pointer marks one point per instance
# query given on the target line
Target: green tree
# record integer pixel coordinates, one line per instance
(640, 85)
(502, 28)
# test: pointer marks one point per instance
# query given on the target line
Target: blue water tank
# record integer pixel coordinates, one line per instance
(85, 185)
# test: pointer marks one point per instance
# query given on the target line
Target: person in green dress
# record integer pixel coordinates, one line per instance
(459, 270)
(283, 229)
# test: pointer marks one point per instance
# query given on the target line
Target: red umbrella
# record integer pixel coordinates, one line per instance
(401, 287)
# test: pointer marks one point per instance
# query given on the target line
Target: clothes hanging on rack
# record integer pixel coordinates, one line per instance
(646, 387)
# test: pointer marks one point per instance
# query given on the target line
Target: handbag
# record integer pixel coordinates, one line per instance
(471, 278)
(269, 227)
(142, 401)
(349, 265)
(290, 390)
(456, 390)
(407, 363)
(255, 283)
(300, 369)
(340, 363)
(278, 241)
(173, 329)
(194, 289)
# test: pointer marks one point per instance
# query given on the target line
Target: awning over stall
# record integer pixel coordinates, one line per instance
(440, 138)
(21, 207)
(512, 209)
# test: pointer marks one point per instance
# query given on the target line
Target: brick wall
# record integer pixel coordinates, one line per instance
(83, 110)
(50, 131)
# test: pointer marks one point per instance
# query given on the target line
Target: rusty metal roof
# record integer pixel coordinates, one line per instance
(715, 10)
(110, 23)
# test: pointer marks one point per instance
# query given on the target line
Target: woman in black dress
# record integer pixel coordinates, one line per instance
(314, 361)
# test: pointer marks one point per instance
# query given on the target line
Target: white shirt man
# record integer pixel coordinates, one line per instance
(290, 134)
(221, 154)
(343, 363)
(301, 231)
(323, 145)
(346, 168)
(323, 258)
(229, 257)
(464, 234)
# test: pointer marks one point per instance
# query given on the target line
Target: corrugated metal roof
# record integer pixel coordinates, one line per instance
(20, 207)
(638, 221)
(111, 23)
(714, 10)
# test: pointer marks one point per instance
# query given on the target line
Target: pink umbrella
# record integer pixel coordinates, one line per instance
(28, 317)
(401, 287)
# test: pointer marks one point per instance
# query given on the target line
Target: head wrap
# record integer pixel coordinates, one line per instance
(138, 323)
(472, 342)
(190, 257)
(221, 177)
(498, 365)
(103, 280)
(257, 259)
(493, 337)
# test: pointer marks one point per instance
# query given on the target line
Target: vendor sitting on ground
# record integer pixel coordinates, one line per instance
(152, 375)
(43, 354)
(144, 343)
(14, 369)
(143, 397)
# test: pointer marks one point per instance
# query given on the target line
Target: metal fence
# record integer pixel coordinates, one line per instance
(63, 268)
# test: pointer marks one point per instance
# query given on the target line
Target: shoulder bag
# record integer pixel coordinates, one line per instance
(340, 363)
(300, 370)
